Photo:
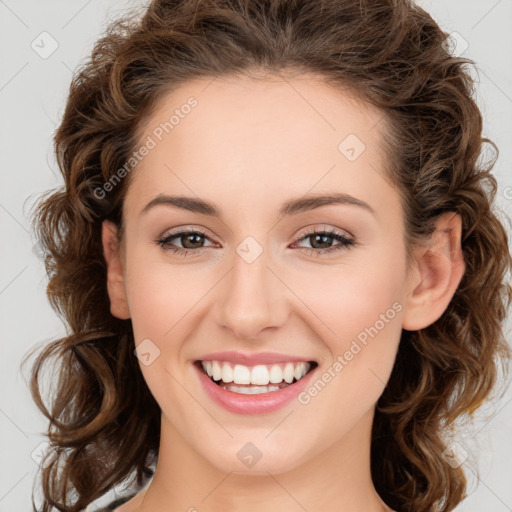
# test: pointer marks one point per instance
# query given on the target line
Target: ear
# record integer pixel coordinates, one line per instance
(115, 278)
(438, 271)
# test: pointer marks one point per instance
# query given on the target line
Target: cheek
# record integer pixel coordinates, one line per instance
(349, 298)
(159, 294)
(361, 305)
(161, 299)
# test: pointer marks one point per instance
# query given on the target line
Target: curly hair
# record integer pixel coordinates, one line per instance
(104, 423)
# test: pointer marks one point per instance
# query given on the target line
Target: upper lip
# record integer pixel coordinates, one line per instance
(251, 359)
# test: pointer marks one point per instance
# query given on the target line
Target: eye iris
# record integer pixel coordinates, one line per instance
(187, 237)
(324, 237)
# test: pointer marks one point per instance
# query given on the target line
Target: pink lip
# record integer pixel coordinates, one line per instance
(251, 404)
(251, 359)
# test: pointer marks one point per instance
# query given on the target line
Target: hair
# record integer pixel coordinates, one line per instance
(104, 423)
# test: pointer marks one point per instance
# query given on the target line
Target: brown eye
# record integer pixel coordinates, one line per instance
(191, 241)
(320, 243)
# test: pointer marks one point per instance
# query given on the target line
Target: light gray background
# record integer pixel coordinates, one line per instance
(32, 96)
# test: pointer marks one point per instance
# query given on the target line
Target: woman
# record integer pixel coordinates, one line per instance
(278, 258)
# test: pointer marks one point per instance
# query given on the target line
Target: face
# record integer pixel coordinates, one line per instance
(255, 285)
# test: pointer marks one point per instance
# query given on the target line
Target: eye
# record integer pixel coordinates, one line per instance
(187, 237)
(192, 240)
(321, 238)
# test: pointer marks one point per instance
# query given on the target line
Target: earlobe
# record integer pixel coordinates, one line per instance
(437, 274)
(115, 277)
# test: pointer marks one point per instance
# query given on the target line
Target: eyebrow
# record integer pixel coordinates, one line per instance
(291, 207)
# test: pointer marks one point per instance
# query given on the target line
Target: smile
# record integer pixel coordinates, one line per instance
(258, 379)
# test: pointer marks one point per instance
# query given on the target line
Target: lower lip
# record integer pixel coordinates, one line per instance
(252, 404)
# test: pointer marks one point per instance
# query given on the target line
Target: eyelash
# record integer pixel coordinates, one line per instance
(345, 242)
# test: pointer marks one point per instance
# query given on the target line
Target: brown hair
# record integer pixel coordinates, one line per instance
(104, 422)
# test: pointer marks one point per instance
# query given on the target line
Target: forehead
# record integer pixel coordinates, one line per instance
(258, 139)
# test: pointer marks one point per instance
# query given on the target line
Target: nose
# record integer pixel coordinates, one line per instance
(252, 299)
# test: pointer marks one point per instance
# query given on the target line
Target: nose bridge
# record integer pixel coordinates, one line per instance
(252, 297)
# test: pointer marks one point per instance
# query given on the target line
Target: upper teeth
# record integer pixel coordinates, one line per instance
(260, 374)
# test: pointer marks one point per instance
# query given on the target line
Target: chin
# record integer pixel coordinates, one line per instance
(256, 458)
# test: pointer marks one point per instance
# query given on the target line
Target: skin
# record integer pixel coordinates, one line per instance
(248, 146)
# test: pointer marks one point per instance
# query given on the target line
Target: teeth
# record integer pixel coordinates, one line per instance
(276, 374)
(250, 390)
(297, 373)
(288, 373)
(241, 374)
(216, 370)
(259, 375)
(227, 373)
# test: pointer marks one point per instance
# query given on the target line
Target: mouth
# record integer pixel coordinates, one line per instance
(256, 379)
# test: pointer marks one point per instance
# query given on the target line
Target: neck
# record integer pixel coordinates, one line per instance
(337, 479)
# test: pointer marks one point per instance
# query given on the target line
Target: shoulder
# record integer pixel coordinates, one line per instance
(113, 504)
